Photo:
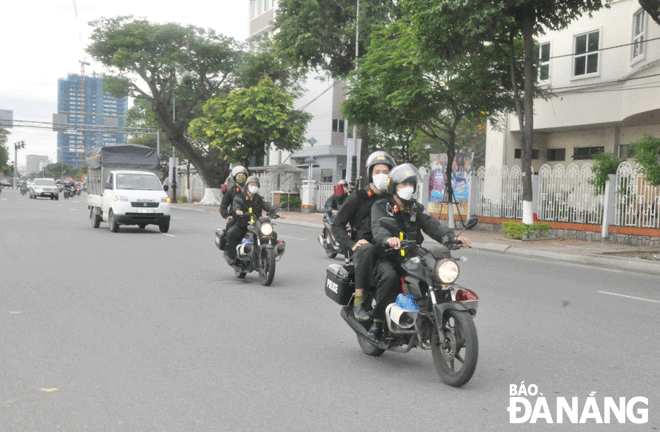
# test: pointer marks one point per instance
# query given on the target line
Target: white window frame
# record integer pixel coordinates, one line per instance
(637, 51)
(587, 54)
(544, 63)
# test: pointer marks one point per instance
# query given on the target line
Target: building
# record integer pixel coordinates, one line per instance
(100, 113)
(603, 72)
(325, 147)
(34, 163)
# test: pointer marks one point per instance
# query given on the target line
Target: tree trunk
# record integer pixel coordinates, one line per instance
(528, 142)
(449, 189)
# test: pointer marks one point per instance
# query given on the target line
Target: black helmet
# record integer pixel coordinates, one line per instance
(239, 169)
(404, 173)
(253, 179)
(379, 157)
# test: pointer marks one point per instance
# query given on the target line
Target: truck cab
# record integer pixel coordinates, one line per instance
(131, 197)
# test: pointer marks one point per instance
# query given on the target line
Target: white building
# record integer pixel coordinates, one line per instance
(604, 72)
(327, 131)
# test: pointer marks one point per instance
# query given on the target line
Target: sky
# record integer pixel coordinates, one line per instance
(43, 41)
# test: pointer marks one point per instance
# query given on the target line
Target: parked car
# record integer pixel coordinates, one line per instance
(44, 187)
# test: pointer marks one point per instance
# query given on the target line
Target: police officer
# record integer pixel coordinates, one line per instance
(356, 211)
(246, 201)
(239, 174)
(336, 200)
(410, 217)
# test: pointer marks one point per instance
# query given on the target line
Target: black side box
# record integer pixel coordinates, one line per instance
(340, 283)
(220, 239)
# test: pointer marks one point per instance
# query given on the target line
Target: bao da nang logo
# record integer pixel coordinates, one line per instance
(528, 405)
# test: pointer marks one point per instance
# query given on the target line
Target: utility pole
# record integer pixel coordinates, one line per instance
(20, 144)
(174, 163)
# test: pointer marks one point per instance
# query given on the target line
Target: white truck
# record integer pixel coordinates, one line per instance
(123, 189)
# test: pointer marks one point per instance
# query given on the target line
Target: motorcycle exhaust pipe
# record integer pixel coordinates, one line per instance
(280, 247)
(244, 250)
(401, 317)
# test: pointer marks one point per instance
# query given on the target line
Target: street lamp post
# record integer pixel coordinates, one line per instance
(20, 144)
(311, 160)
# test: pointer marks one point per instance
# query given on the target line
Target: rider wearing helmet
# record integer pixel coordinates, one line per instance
(239, 174)
(336, 200)
(410, 217)
(246, 201)
(356, 211)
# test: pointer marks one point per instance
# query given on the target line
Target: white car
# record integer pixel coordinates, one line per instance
(44, 187)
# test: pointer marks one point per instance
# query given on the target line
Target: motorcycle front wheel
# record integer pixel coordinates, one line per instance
(455, 354)
(267, 267)
(328, 248)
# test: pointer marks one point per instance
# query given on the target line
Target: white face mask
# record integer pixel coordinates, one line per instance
(380, 181)
(253, 189)
(406, 193)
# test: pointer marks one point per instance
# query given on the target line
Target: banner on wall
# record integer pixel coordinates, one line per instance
(461, 176)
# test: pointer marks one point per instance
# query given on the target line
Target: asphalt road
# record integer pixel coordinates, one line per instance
(143, 331)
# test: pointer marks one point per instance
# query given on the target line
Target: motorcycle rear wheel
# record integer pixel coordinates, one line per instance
(368, 348)
(267, 267)
(455, 357)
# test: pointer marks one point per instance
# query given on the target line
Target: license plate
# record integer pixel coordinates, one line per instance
(146, 211)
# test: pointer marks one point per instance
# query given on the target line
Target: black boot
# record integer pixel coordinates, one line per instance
(360, 313)
(376, 329)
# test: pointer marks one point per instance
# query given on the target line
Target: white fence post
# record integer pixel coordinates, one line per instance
(608, 212)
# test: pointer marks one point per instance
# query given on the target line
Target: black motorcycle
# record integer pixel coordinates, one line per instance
(69, 191)
(24, 189)
(327, 240)
(440, 317)
(259, 249)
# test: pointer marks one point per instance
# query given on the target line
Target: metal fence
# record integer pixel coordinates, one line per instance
(569, 195)
(499, 192)
(637, 201)
(323, 192)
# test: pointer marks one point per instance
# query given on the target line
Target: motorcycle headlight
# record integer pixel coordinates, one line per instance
(266, 229)
(447, 271)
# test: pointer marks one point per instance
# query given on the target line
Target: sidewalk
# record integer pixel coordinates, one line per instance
(591, 253)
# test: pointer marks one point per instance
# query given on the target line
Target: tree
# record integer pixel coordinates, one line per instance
(646, 152)
(652, 7)
(4, 151)
(175, 69)
(503, 22)
(400, 85)
(321, 35)
(242, 124)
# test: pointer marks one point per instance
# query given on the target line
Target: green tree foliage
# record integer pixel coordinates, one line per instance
(174, 68)
(242, 124)
(652, 7)
(263, 60)
(647, 153)
(4, 152)
(398, 84)
(606, 164)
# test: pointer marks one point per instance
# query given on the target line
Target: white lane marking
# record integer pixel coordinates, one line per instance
(169, 235)
(72, 208)
(289, 237)
(627, 296)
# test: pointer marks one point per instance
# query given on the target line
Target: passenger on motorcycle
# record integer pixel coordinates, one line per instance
(246, 201)
(411, 218)
(336, 200)
(239, 174)
(356, 211)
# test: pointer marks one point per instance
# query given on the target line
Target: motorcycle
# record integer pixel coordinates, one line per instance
(439, 318)
(259, 250)
(24, 189)
(69, 191)
(327, 239)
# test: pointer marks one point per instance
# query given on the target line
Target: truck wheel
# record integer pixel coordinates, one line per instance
(164, 227)
(141, 226)
(114, 226)
(96, 219)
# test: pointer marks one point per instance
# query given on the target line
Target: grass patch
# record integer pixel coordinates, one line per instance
(519, 230)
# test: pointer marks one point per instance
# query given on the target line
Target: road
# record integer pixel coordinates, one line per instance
(143, 331)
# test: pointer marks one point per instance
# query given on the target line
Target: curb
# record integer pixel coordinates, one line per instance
(633, 265)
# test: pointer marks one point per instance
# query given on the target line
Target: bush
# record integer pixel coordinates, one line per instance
(183, 199)
(295, 201)
(519, 230)
(646, 154)
(606, 164)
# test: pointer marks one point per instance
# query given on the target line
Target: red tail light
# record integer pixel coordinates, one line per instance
(466, 295)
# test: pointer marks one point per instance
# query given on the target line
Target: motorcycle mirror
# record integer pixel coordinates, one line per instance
(471, 223)
(390, 224)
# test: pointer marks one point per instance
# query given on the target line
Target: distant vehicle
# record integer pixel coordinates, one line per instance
(44, 187)
(6, 183)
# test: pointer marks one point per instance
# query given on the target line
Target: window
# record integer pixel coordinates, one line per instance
(585, 60)
(338, 125)
(581, 153)
(517, 154)
(326, 176)
(544, 62)
(556, 155)
(623, 151)
(638, 35)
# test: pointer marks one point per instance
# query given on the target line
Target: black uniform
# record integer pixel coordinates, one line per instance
(226, 206)
(334, 203)
(387, 279)
(243, 202)
(356, 211)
